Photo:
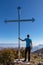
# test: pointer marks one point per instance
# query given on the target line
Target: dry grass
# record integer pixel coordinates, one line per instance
(35, 59)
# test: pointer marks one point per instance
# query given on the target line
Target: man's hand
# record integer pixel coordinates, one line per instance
(30, 45)
(21, 39)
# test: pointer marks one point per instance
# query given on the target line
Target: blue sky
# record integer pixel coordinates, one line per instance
(29, 9)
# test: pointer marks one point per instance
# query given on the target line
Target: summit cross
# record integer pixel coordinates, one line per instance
(19, 20)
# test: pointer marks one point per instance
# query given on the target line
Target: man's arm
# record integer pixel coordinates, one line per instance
(21, 39)
(31, 44)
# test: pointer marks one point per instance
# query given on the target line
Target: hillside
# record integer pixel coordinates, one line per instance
(39, 51)
(35, 57)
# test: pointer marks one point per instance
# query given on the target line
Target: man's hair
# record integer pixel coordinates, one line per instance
(28, 35)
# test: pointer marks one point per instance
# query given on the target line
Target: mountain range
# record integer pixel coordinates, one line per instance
(37, 47)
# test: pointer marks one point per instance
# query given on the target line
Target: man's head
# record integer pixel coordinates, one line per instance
(28, 35)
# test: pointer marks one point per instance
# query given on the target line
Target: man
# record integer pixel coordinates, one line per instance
(28, 47)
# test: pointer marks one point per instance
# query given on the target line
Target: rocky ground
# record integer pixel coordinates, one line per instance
(35, 60)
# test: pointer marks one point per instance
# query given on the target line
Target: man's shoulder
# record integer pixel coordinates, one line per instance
(27, 39)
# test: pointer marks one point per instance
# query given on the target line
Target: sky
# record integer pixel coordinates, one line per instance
(29, 9)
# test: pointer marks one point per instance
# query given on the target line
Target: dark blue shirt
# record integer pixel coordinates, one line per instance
(28, 41)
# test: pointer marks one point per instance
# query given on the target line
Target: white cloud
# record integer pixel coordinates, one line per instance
(37, 42)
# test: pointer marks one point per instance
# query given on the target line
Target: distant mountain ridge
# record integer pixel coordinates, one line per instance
(39, 51)
(37, 47)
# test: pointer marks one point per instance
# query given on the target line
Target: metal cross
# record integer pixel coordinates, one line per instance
(24, 20)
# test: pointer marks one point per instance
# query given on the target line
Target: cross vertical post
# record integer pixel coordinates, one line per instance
(19, 31)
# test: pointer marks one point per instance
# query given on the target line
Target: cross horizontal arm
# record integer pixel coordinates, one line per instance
(20, 20)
